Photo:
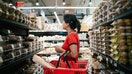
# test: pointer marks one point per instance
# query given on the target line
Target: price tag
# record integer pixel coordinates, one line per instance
(1, 38)
(115, 64)
(1, 49)
(111, 61)
(20, 45)
(13, 55)
(115, 46)
(107, 59)
(12, 46)
(9, 31)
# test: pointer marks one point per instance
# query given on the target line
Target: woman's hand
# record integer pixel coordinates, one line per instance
(59, 49)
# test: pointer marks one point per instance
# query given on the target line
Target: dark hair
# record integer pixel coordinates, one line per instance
(73, 21)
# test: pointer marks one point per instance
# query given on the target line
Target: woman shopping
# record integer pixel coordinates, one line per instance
(71, 43)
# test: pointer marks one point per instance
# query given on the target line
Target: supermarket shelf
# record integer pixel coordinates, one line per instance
(125, 68)
(14, 23)
(5, 51)
(62, 40)
(10, 65)
(48, 54)
(18, 27)
(125, 14)
(50, 33)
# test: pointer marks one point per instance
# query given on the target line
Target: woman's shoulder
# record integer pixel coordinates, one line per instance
(73, 34)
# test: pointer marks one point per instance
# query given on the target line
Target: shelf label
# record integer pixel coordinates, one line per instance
(1, 38)
(19, 45)
(111, 61)
(107, 59)
(115, 64)
(1, 49)
(12, 46)
(9, 31)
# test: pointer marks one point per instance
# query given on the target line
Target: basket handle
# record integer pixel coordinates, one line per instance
(65, 59)
(59, 59)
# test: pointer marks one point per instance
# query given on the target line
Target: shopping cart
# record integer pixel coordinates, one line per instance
(79, 67)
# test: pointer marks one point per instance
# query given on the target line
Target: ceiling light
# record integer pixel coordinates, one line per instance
(90, 2)
(37, 3)
(57, 18)
(64, 3)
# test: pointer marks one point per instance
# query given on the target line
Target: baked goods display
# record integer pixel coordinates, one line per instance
(33, 43)
(110, 9)
(9, 47)
(34, 69)
(115, 41)
(121, 40)
(111, 35)
(12, 46)
(14, 14)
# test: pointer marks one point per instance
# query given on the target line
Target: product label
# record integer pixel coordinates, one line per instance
(115, 64)
(1, 38)
(106, 59)
(111, 61)
(13, 55)
(19, 45)
(1, 49)
(12, 46)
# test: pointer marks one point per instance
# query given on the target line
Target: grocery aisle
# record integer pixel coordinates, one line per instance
(27, 29)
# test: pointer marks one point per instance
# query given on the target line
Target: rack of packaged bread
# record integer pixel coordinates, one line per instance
(16, 49)
(111, 36)
(12, 18)
(110, 11)
(16, 46)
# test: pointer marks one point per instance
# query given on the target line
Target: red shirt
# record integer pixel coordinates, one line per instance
(71, 38)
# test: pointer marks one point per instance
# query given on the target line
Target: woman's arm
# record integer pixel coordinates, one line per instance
(73, 51)
(37, 59)
(59, 49)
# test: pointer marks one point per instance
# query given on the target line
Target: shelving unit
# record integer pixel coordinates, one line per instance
(17, 27)
(123, 15)
(61, 40)
(49, 33)
(125, 68)
(10, 66)
(20, 29)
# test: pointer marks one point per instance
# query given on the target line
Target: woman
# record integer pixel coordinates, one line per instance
(71, 43)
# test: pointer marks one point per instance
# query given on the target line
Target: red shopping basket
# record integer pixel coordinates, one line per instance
(67, 67)
(82, 69)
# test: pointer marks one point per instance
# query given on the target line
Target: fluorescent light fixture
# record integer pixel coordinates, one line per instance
(57, 18)
(90, 2)
(37, 3)
(64, 3)
(57, 7)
